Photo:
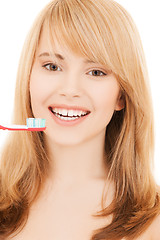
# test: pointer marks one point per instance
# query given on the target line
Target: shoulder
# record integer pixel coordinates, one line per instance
(154, 229)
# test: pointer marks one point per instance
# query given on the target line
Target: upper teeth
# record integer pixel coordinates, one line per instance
(70, 113)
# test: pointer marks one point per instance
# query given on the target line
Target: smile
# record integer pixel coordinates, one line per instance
(68, 116)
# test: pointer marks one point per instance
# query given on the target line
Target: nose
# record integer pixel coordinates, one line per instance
(70, 86)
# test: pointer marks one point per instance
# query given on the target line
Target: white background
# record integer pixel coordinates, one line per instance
(16, 18)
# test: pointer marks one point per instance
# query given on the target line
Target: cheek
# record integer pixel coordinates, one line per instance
(38, 93)
(106, 97)
(38, 87)
(41, 84)
(105, 102)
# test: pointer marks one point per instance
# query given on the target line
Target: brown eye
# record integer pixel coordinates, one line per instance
(51, 67)
(97, 73)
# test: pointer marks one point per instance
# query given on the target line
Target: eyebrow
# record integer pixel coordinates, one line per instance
(59, 56)
(46, 54)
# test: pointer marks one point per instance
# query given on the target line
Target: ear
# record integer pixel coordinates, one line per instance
(120, 102)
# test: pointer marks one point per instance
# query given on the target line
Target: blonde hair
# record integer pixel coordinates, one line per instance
(102, 31)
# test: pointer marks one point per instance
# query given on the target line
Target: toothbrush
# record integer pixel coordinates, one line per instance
(33, 124)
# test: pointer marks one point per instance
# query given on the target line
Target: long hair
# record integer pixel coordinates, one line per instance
(104, 32)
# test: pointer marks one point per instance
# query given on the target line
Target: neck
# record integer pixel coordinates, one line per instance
(80, 162)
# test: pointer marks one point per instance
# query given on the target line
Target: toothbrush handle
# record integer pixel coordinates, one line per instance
(36, 129)
(22, 128)
(3, 128)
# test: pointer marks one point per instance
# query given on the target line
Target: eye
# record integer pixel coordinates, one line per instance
(51, 67)
(97, 73)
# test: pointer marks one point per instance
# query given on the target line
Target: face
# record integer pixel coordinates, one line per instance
(77, 97)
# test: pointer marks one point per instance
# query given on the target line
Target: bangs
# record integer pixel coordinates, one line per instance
(100, 31)
(75, 26)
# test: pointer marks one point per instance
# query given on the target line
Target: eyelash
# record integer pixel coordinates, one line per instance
(54, 64)
(50, 64)
(102, 74)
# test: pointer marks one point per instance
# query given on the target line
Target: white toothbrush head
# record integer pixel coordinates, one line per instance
(36, 122)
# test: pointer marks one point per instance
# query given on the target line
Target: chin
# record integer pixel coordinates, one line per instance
(64, 140)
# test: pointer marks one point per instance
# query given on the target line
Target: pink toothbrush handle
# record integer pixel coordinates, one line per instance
(3, 128)
(36, 129)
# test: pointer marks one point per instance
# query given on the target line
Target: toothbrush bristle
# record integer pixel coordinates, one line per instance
(35, 122)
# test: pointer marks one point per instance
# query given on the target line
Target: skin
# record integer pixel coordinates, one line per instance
(73, 191)
(76, 151)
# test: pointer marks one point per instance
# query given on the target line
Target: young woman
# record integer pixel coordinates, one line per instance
(89, 174)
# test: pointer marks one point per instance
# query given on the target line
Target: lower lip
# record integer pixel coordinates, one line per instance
(68, 122)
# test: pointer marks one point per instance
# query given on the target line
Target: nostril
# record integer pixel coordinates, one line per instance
(69, 95)
(69, 91)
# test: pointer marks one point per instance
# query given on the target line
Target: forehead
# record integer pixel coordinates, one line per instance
(49, 45)
(47, 42)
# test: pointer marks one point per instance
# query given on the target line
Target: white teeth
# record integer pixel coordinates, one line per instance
(60, 111)
(69, 113)
(80, 113)
(64, 112)
(66, 118)
(55, 110)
